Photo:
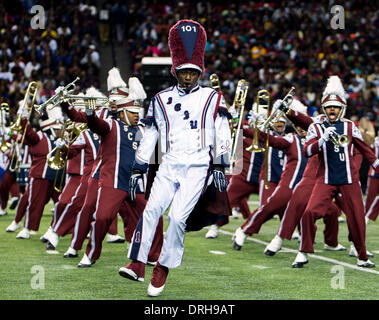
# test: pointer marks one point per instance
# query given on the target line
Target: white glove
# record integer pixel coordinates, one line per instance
(276, 105)
(328, 132)
(59, 143)
(24, 112)
(326, 135)
(61, 90)
(252, 117)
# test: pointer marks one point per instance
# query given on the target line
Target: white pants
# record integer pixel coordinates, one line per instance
(178, 182)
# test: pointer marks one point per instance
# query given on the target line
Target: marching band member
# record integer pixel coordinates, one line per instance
(89, 183)
(41, 186)
(119, 140)
(295, 163)
(371, 201)
(21, 181)
(189, 120)
(338, 173)
(242, 185)
(9, 184)
(75, 170)
(297, 114)
(118, 90)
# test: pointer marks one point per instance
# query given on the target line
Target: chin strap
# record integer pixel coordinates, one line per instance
(126, 118)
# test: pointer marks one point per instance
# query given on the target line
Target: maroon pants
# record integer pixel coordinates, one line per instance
(38, 193)
(8, 185)
(295, 210)
(276, 204)
(66, 197)
(105, 213)
(84, 217)
(317, 207)
(372, 191)
(73, 201)
(239, 191)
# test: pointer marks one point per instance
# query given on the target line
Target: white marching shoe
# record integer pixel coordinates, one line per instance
(213, 232)
(339, 247)
(13, 226)
(52, 240)
(85, 262)
(295, 235)
(235, 213)
(274, 246)
(114, 238)
(300, 260)
(46, 235)
(23, 234)
(3, 212)
(353, 252)
(239, 239)
(70, 253)
(365, 264)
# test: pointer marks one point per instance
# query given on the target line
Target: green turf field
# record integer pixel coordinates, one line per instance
(211, 269)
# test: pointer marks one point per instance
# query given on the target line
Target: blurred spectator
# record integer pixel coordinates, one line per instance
(104, 24)
(120, 16)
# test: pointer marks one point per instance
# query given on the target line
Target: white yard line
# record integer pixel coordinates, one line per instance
(334, 261)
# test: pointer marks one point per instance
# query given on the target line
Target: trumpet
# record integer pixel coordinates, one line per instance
(277, 114)
(262, 96)
(238, 104)
(56, 98)
(31, 91)
(339, 140)
(4, 146)
(90, 102)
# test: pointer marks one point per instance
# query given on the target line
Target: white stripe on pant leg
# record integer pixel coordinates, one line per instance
(28, 204)
(58, 223)
(55, 214)
(370, 211)
(76, 229)
(92, 239)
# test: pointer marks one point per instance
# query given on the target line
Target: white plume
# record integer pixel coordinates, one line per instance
(136, 90)
(334, 86)
(55, 114)
(298, 106)
(93, 92)
(114, 79)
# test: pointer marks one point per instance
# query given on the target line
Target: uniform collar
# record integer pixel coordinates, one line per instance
(184, 92)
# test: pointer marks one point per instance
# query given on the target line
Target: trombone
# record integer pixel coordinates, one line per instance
(4, 146)
(238, 104)
(32, 91)
(263, 99)
(56, 98)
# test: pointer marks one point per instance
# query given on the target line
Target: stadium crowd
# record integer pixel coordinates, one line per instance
(272, 46)
(54, 56)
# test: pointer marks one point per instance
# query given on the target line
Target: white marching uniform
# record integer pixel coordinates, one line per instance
(193, 132)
